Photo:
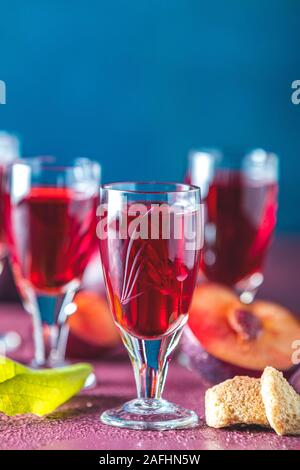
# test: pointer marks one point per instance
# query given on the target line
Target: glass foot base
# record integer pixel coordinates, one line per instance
(150, 414)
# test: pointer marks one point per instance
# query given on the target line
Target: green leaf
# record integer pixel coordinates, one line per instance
(40, 392)
(10, 369)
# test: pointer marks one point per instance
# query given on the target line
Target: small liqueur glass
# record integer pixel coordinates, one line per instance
(150, 243)
(240, 192)
(50, 220)
(9, 151)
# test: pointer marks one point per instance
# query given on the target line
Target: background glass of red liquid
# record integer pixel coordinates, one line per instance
(150, 281)
(9, 151)
(50, 220)
(240, 195)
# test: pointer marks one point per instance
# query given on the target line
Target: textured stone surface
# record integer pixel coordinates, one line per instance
(76, 424)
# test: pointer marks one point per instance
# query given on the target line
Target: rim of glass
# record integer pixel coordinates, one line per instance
(178, 187)
(195, 153)
(237, 153)
(47, 164)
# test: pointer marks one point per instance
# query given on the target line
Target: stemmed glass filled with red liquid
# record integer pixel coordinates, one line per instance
(150, 241)
(9, 151)
(50, 218)
(240, 196)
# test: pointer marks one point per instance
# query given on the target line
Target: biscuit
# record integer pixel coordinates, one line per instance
(235, 401)
(281, 402)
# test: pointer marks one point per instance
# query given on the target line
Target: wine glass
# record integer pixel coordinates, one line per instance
(150, 241)
(240, 195)
(9, 151)
(50, 219)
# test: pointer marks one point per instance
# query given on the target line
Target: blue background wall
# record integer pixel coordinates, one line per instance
(136, 83)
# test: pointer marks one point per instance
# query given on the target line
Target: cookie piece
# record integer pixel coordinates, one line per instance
(281, 402)
(235, 401)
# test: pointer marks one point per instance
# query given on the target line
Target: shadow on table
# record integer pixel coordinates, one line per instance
(88, 405)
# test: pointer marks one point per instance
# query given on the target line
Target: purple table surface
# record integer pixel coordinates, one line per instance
(76, 424)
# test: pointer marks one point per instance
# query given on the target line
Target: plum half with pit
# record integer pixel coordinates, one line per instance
(225, 338)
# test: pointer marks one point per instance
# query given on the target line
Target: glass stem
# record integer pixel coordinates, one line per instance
(150, 360)
(49, 325)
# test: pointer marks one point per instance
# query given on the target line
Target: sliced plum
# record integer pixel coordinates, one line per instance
(241, 337)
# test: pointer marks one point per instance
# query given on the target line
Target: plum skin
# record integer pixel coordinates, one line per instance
(211, 369)
(295, 379)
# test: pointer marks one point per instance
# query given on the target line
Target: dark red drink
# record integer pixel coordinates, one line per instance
(240, 219)
(150, 281)
(52, 233)
(3, 248)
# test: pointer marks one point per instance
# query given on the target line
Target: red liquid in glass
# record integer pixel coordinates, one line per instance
(240, 219)
(3, 247)
(52, 233)
(150, 282)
